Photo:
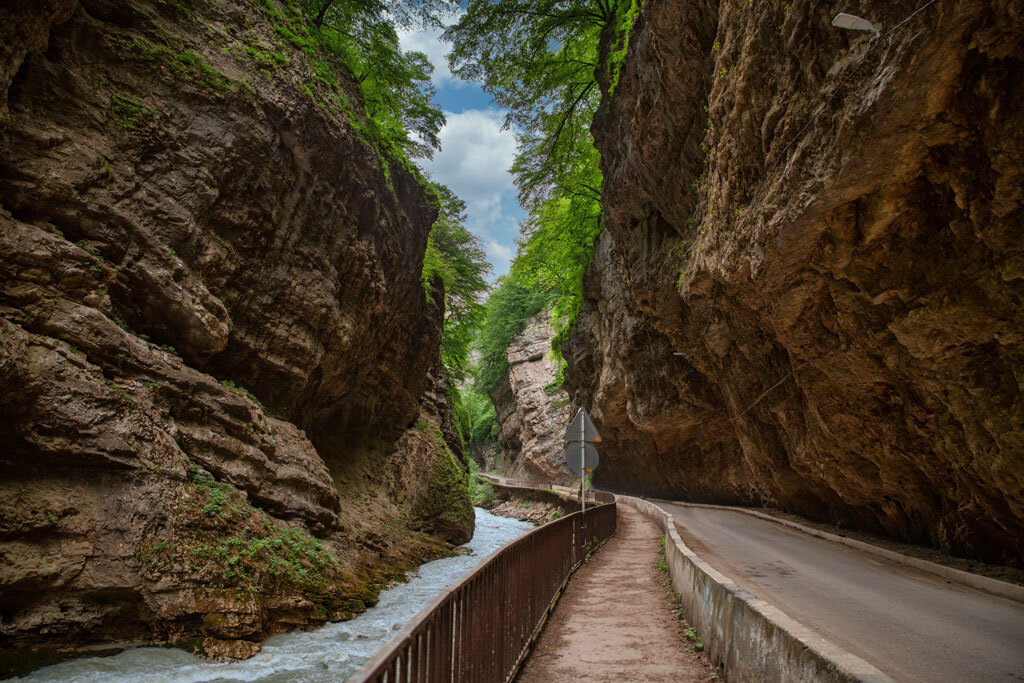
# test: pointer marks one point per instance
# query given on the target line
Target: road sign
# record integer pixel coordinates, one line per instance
(588, 432)
(572, 457)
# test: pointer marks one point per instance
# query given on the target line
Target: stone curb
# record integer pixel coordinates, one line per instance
(995, 587)
(753, 640)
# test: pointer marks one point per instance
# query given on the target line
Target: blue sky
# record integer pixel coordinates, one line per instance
(475, 154)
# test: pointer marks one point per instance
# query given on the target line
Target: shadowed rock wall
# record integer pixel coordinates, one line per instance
(809, 296)
(214, 341)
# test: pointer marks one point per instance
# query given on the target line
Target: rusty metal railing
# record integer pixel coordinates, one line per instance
(480, 629)
(592, 495)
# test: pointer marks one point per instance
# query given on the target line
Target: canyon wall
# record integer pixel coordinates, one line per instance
(532, 416)
(221, 404)
(810, 290)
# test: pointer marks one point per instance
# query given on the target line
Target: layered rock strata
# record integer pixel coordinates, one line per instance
(810, 292)
(531, 414)
(220, 402)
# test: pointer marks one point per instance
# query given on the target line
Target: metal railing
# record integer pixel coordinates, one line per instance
(480, 629)
(593, 496)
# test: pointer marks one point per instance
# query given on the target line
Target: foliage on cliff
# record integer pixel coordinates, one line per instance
(455, 256)
(509, 305)
(360, 36)
(548, 63)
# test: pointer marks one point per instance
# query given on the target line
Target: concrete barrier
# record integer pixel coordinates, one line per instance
(749, 638)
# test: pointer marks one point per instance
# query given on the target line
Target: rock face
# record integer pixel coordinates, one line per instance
(532, 419)
(810, 292)
(220, 402)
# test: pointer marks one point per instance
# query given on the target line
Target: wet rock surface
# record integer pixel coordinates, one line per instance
(533, 417)
(215, 348)
(809, 293)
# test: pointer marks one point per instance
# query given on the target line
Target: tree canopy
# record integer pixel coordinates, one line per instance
(547, 62)
(544, 62)
(455, 256)
(395, 84)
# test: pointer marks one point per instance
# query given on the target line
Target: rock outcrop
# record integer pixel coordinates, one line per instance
(220, 401)
(810, 292)
(532, 417)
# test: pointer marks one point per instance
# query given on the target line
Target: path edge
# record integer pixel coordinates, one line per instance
(751, 639)
(1002, 589)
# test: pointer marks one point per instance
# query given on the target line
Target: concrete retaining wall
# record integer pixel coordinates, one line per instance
(751, 639)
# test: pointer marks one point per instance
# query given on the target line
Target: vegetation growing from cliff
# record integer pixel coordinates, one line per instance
(510, 304)
(259, 553)
(455, 256)
(480, 490)
(483, 422)
(548, 63)
(354, 43)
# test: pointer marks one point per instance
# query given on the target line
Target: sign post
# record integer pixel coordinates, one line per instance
(581, 456)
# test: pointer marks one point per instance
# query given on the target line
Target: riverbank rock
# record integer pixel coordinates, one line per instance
(809, 291)
(537, 506)
(215, 348)
(532, 416)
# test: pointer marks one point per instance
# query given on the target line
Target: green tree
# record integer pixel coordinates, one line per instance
(483, 424)
(395, 85)
(507, 308)
(549, 63)
(455, 256)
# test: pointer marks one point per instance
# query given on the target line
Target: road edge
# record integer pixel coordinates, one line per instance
(985, 584)
(753, 640)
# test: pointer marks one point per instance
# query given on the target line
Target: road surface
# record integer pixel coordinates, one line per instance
(912, 625)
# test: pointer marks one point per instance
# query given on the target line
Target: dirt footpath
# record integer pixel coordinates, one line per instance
(614, 622)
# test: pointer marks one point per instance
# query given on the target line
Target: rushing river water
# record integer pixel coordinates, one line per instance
(330, 653)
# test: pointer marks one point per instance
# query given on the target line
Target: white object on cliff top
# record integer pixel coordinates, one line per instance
(852, 23)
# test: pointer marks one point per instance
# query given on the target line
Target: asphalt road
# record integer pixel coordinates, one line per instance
(912, 625)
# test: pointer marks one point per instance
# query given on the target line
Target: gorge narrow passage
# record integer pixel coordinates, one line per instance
(911, 624)
(614, 621)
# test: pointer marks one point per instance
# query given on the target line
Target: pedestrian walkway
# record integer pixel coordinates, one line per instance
(614, 622)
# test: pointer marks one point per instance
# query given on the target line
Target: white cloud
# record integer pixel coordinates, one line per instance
(474, 161)
(500, 256)
(428, 41)
(475, 156)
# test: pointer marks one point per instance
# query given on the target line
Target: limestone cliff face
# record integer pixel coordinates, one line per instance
(810, 293)
(220, 402)
(532, 420)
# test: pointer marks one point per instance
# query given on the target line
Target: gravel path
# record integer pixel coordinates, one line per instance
(614, 622)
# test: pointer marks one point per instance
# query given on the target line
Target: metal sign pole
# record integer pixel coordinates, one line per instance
(587, 456)
(583, 470)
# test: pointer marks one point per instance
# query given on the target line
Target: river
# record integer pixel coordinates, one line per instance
(330, 653)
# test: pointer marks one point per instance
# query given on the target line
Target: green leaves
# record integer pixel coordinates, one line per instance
(548, 62)
(455, 256)
(395, 85)
(508, 307)
(539, 60)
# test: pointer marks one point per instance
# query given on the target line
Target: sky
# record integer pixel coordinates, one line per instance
(475, 154)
